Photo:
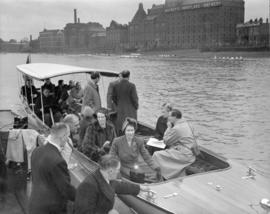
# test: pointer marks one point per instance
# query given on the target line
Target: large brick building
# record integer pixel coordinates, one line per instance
(116, 37)
(51, 40)
(186, 24)
(78, 36)
(254, 33)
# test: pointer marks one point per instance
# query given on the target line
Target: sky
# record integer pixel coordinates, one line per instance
(22, 18)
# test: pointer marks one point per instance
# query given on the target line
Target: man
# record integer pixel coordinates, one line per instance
(91, 95)
(50, 86)
(110, 103)
(96, 194)
(50, 108)
(51, 188)
(180, 140)
(126, 100)
(73, 123)
(61, 92)
(29, 91)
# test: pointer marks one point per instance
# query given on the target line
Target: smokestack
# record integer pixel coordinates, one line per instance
(79, 21)
(30, 38)
(75, 16)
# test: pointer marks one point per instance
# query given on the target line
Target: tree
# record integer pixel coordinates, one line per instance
(12, 41)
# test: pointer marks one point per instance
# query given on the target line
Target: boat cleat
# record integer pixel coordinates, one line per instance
(170, 195)
(250, 173)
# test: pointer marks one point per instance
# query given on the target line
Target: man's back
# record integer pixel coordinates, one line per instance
(51, 182)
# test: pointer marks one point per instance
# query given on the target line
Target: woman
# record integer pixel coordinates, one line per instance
(129, 147)
(161, 125)
(99, 136)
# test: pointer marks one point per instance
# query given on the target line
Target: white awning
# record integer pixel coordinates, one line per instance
(42, 71)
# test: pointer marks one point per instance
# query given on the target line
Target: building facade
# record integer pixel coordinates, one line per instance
(51, 40)
(254, 33)
(116, 37)
(78, 35)
(186, 24)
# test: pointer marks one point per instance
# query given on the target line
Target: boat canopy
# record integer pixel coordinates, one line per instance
(42, 71)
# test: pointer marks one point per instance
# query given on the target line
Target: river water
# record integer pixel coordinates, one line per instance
(226, 101)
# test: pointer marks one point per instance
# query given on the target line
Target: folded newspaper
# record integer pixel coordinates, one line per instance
(156, 143)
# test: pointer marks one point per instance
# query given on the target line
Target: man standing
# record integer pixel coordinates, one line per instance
(110, 103)
(91, 95)
(126, 100)
(51, 188)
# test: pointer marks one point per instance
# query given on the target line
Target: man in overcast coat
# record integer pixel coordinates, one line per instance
(126, 100)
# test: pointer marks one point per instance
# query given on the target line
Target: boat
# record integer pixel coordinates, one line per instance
(212, 184)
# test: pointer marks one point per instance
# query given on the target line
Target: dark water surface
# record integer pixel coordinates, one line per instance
(227, 101)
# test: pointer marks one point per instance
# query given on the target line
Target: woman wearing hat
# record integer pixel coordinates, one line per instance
(128, 148)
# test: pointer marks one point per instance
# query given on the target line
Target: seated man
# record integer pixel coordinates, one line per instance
(50, 108)
(50, 86)
(73, 123)
(75, 98)
(98, 137)
(29, 91)
(179, 139)
(61, 92)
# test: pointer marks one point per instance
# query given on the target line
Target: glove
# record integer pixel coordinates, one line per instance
(159, 176)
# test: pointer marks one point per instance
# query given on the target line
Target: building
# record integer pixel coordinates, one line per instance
(51, 40)
(186, 24)
(97, 42)
(254, 33)
(116, 37)
(78, 35)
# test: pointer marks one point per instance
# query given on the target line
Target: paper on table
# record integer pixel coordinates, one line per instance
(156, 143)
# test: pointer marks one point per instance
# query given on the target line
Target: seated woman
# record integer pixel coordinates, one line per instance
(161, 125)
(179, 139)
(129, 149)
(98, 137)
(75, 98)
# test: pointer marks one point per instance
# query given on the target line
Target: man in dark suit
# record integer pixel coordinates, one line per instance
(51, 188)
(126, 99)
(96, 194)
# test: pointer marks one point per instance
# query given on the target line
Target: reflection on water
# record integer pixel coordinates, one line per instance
(227, 102)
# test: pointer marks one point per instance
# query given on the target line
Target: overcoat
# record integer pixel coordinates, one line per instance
(96, 196)
(51, 188)
(91, 96)
(126, 99)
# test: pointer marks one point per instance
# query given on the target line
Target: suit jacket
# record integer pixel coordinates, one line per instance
(126, 99)
(91, 96)
(95, 196)
(51, 182)
(129, 155)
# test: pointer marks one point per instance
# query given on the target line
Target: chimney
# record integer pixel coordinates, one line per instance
(30, 38)
(75, 16)
(79, 21)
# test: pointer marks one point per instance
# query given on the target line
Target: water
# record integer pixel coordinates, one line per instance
(227, 102)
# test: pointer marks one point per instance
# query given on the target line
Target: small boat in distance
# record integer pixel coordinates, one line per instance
(212, 184)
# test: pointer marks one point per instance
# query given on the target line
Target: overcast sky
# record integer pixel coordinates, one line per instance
(20, 18)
